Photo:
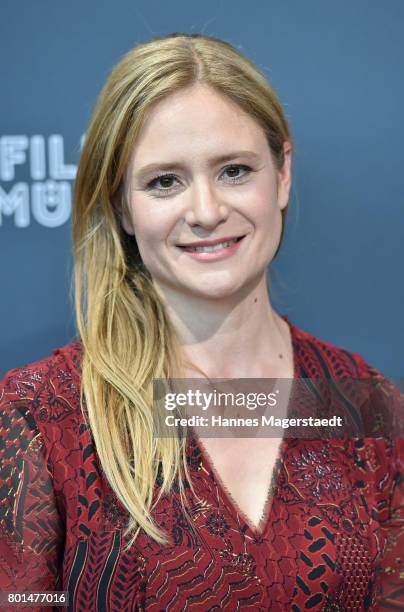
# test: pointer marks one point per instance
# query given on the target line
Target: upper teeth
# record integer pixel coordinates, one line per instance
(213, 247)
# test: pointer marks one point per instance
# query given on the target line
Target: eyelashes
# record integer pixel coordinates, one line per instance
(162, 179)
(166, 183)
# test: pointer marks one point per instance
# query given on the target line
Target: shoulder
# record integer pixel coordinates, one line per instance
(378, 399)
(45, 391)
(317, 357)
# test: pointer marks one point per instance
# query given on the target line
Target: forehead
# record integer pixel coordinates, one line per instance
(194, 122)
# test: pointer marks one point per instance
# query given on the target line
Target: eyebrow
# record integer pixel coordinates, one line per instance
(174, 165)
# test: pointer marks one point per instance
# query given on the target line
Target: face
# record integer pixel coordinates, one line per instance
(204, 197)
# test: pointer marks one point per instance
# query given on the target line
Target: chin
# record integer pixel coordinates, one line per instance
(214, 291)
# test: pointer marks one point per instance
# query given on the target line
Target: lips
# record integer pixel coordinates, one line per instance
(210, 245)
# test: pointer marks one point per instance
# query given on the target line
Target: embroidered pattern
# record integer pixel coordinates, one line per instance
(62, 526)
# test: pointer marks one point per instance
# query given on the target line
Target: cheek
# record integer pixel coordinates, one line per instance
(151, 220)
(263, 202)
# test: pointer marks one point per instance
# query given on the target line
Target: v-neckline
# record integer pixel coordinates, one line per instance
(257, 532)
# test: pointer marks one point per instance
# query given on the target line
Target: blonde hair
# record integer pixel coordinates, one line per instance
(126, 335)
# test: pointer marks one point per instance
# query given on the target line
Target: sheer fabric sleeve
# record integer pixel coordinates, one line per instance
(388, 405)
(31, 529)
(391, 518)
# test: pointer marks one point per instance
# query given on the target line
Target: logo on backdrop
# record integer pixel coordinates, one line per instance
(47, 196)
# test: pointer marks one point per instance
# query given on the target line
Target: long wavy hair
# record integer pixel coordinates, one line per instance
(126, 335)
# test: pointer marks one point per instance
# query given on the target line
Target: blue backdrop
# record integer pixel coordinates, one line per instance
(337, 67)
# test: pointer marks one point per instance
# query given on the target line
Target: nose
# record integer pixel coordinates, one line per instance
(205, 208)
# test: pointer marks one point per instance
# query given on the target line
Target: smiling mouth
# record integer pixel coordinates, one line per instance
(210, 248)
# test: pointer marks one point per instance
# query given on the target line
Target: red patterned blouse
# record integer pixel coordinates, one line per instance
(329, 542)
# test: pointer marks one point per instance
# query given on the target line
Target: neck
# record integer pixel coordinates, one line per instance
(235, 337)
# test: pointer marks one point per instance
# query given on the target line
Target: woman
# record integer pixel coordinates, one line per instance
(180, 205)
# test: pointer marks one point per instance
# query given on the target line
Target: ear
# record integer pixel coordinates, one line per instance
(119, 204)
(126, 221)
(285, 176)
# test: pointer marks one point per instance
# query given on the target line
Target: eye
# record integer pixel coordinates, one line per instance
(164, 183)
(237, 172)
